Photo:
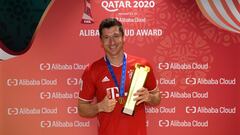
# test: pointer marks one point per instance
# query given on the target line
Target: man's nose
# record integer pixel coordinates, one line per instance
(111, 40)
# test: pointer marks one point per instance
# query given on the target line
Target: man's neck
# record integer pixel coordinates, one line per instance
(116, 60)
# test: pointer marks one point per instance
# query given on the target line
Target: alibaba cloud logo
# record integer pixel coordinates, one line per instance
(12, 111)
(72, 110)
(191, 109)
(45, 66)
(45, 124)
(45, 95)
(72, 81)
(12, 82)
(164, 94)
(163, 123)
(75, 81)
(164, 66)
(191, 81)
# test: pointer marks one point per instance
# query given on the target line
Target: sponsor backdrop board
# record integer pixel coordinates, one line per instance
(195, 62)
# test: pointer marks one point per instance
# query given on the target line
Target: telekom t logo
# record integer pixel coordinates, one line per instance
(114, 92)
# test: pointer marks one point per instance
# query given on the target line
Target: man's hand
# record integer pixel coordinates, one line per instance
(143, 95)
(106, 105)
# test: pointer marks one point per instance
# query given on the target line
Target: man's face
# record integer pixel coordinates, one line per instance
(112, 41)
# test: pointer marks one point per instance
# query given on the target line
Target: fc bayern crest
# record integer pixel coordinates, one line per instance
(130, 73)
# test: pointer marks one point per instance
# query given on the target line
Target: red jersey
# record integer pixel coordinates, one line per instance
(97, 81)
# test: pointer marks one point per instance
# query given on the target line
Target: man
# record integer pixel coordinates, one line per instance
(108, 79)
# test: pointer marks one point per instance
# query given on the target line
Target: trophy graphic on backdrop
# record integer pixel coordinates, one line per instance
(87, 15)
(138, 80)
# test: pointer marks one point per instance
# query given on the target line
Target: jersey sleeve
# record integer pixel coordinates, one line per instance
(88, 89)
(150, 83)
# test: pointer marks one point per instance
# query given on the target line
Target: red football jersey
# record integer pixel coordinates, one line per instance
(97, 81)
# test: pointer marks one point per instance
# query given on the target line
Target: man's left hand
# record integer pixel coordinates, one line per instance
(142, 95)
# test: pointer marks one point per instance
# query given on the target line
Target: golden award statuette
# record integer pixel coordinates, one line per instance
(138, 81)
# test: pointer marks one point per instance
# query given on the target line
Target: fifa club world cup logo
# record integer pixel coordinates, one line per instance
(87, 15)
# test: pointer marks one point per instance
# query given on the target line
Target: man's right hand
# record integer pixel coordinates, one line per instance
(107, 104)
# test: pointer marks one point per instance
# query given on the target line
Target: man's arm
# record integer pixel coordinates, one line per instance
(86, 109)
(150, 97)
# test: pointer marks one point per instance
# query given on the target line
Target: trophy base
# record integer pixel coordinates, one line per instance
(128, 111)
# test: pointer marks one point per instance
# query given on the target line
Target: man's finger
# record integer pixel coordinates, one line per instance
(108, 95)
(139, 93)
(140, 101)
(138, 98)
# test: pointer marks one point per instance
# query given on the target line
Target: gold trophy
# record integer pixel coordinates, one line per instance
(138, 80)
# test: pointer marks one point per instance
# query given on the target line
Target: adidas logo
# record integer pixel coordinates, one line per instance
(105, 79)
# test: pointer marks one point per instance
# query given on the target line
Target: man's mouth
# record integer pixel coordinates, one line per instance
(112, 47)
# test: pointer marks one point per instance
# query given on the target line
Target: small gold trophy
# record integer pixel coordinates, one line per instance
(138, 80)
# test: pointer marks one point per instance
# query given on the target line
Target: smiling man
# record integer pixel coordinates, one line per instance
(109, 79)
